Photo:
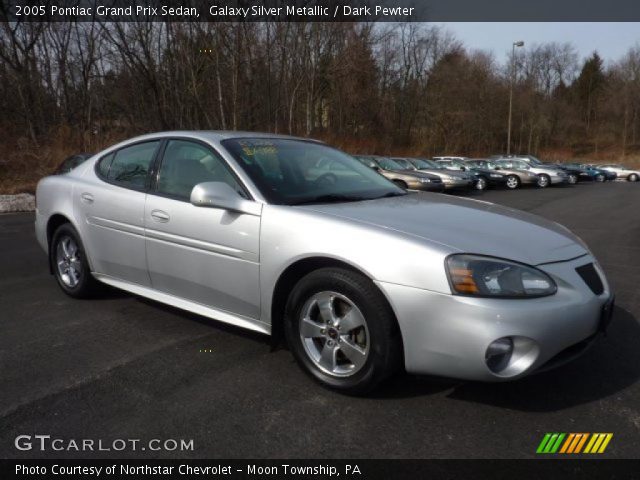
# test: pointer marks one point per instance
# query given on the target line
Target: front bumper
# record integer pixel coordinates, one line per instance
(557, 180)
(458, 184)
(448, 335)
(427, 187)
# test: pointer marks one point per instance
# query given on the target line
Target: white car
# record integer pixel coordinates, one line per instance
(632, 175)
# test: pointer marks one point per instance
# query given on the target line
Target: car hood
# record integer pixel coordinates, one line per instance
(465, 225)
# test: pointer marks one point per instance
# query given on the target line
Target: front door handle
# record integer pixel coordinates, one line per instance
(86, 197)
(160, 216)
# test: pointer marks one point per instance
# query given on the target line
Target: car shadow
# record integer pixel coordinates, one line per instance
(610, 366)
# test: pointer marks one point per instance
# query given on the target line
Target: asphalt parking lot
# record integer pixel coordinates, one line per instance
(121, 367)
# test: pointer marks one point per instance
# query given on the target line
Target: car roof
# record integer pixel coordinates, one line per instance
(218, 135)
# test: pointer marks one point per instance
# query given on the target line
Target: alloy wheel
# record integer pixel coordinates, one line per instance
(334, 334)
(481, 184)
(512, 181)
(68, 261)
(543, 181)
(573, 179)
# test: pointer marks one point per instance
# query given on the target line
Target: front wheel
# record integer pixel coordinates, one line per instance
(342, 331)
(481, 183)
(543, 181)
(600, 178)
(513, 182)
(633, 177)
(573, 178)
(69, 261)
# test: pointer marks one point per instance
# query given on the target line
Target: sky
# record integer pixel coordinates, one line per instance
(611, 40)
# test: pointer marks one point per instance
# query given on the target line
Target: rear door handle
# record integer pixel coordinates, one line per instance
(86, 197)
(160, 216)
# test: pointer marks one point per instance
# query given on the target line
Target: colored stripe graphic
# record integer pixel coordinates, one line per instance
(573, 443)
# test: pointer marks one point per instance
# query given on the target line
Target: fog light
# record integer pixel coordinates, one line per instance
(498, 354)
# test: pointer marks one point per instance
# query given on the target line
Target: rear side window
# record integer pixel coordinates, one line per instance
(105, 164)
(130, 166)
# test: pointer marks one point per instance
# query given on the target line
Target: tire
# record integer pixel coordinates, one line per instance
(573, 179)
(513, 182)
(543, 180)
(401, 184)
(600, 178)
(351, 360)
(69, 262)
(481, 184)
(633, 177)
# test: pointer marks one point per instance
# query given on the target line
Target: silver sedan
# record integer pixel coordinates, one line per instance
(293, 238)
(632, 175)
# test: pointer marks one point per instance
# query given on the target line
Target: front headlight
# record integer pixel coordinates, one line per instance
(481, 276)
(424, 180)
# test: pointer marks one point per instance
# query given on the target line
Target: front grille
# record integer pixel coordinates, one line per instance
(590, 276)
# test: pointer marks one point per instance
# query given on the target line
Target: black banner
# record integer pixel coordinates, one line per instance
(294, 469)
(321, 10)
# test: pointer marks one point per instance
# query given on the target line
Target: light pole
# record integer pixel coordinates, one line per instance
(519, 43)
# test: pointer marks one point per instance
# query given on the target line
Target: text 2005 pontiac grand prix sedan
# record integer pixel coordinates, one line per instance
(286, 235)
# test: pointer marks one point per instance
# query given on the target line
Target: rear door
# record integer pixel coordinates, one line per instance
(206, 255)
(111, 205)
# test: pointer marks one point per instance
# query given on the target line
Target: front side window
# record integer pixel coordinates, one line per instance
(130, 166)
(287, 172)
(186, 164)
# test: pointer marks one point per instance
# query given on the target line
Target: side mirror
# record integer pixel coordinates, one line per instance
(220, 195)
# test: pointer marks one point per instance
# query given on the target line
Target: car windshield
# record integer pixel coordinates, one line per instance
(389, 164)
(432, 164)
(290, 172)
(419, 163)
(404, 163)
(534, 160)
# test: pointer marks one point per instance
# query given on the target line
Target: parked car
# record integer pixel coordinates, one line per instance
(452, 180)
(71, 162)
(484, 177)
(449, 158)
(514, 177)
(361, 277)
(630, 174)
(547, 175)
(406, 179)
(589, 173)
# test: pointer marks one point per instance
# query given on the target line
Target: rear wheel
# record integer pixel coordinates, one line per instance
(543, 180)
(633, 177)
(513, 182)
(342, 331)
(69, 261)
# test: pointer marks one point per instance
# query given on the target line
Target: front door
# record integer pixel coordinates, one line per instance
(206, 255)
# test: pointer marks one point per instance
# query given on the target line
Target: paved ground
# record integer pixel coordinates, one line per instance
(124, 367)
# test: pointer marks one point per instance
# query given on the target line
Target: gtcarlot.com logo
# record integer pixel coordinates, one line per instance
(572, 443)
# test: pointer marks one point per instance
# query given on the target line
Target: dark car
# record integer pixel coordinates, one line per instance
(407, 179)
(71, 162)
(589, 172)
(483, 177)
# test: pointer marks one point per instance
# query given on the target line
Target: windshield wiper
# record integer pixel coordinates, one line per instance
(329, 198)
